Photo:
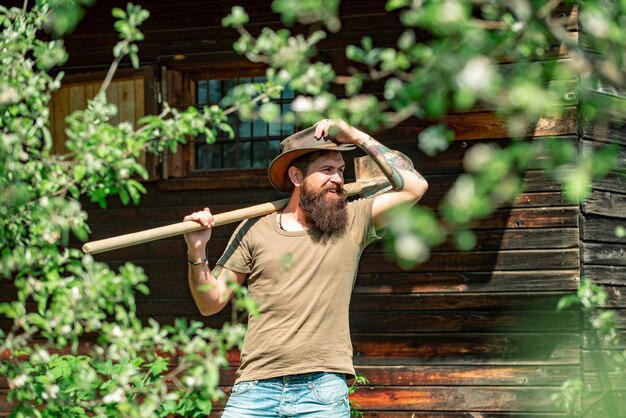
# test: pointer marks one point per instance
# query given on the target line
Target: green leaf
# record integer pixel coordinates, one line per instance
(118, 13)
(577, 185)
(124, 196)
(79, 172)
(237, 17)
(392, 5)
(159, 365)
(465, 240)
(134, 59)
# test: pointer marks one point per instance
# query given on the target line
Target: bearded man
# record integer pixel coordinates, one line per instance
(300, 265)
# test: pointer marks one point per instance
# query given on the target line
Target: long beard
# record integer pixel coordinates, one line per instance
(326, 212)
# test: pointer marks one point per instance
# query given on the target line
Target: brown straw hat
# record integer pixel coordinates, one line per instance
(295, 146)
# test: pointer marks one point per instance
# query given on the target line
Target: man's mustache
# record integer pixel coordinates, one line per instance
(337, 189)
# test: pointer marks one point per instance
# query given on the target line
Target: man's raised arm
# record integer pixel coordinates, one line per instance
(408, 185)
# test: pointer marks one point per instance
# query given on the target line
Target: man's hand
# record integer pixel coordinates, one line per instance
(338, 131)
(196, 241)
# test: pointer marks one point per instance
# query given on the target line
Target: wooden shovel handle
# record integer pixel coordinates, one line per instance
(135, 238)
(180, 228)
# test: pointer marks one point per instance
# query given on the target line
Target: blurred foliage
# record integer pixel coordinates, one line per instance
(607, 357)
(453, 56)
(528, 61)
(136, 369)
(449, 56)
(359, 380)
(64, 14)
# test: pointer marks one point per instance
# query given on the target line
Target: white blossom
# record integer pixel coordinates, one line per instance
(9, 95)
(18, 381)
(302, 104)
(117, 332)
(191, 381)
(411, 247)
(114, 397)
(595, 24)
(462, 193)
(450, 12)
(478, 156)
(51, 392)
(477, 75)
(41, 356)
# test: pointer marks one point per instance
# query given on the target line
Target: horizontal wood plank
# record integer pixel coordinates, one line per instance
(604, 254)
(468, 281)
(605, 204)
(462, 321)
(461, 348)
(602, 229)
(605, 275)
(426, 375)
(525, 283)
(529, 260)
(456, 399)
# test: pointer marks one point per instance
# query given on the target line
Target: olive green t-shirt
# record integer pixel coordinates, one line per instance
(302, 286)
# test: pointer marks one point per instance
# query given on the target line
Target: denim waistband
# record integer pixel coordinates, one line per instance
(304, 377)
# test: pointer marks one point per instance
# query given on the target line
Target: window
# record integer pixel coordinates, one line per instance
(255, 143)
(125, 92)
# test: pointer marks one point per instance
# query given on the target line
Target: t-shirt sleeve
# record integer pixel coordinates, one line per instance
(363, 229)
(238, 254)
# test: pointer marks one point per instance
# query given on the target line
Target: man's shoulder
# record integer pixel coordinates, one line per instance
(362, 204)
(251, 225)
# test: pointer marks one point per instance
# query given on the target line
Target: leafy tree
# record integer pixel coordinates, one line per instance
(446, 59)
(62, 294)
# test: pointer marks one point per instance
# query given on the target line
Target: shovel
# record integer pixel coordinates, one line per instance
(370, 181)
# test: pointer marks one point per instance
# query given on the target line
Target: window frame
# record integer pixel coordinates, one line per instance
(179, 87)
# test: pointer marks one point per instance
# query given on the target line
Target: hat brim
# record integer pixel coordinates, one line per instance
(277, 170)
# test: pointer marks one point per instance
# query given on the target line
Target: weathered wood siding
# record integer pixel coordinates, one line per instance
(474, 331)
(466, 333)
(603, 253)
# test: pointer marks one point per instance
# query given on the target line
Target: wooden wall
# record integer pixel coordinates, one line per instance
(466, 333)
(603, 252)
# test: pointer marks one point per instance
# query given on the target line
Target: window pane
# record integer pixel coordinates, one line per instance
(201, 155)
(208, 156)
(202, 92)
(288, 93)
(259, 129)
(228, 86)
(245, 159)
(275, 128)
(288, 128)
(259, 154)
(274, 148)
(241, 153)
(230, 154)
(215, 91)
(245, 129)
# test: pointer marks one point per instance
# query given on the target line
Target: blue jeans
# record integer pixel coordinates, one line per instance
(310, 395)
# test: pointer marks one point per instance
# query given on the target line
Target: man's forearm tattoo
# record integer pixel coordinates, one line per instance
(390, 162)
